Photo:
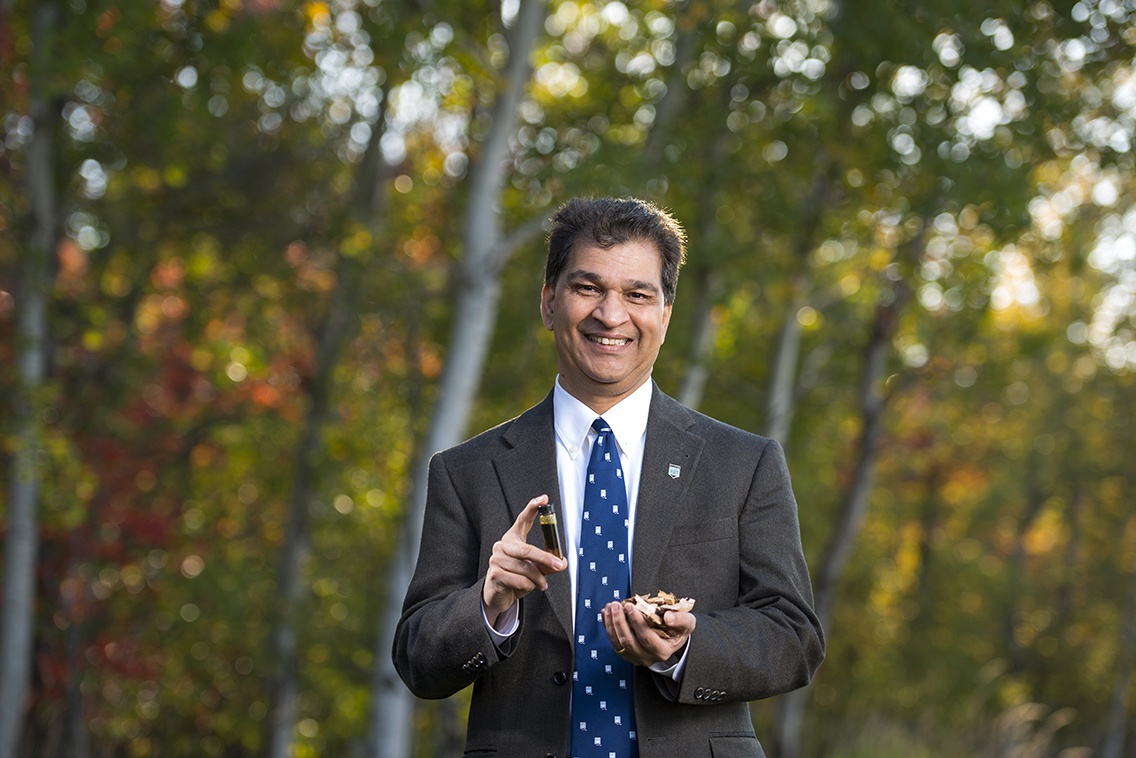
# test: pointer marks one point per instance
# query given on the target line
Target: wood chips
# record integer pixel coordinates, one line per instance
(653, 609)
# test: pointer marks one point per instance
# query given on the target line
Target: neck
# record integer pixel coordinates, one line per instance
(602, 403)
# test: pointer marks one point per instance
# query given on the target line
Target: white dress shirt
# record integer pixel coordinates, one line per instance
(572, 421)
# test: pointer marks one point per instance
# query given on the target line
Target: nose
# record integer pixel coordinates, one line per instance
(610, 311)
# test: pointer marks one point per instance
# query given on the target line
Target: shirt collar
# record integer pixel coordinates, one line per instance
(627, 419)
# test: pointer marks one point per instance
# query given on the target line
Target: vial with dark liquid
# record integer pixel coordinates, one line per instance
(548, 526)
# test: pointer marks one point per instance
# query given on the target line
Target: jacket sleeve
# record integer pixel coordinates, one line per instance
(441, 643)
(771, 640)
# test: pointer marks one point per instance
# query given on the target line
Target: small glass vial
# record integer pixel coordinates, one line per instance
(549, 527)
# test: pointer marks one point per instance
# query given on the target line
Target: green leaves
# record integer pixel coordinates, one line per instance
(233, 171)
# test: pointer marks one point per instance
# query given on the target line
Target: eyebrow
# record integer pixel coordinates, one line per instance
(628, 284)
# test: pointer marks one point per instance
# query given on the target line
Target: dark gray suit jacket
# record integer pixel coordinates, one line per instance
(724, 531)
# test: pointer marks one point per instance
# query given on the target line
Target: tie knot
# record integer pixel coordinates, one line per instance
(601, 426)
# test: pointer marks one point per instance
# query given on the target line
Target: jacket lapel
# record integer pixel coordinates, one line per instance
(527, 470)
(670, 458)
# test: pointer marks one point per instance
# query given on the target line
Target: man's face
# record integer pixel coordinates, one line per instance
(608, 314)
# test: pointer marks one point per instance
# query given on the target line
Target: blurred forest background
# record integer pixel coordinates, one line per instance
(260, 258)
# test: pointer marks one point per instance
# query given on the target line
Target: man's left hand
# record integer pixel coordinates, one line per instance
(636, 642)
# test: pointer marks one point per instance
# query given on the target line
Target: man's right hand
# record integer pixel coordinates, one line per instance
(516, 568)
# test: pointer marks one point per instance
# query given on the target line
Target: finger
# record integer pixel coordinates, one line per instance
(612, 633)
(652, 648)
(545, 561)
(507, 566)
(637, 626)
(620, 634)
(510, 587)
(682, 621)
(527, 518)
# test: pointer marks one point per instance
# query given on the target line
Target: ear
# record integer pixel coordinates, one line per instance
(547, 298)
(666, 320)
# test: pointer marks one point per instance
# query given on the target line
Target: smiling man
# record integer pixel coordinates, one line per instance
(652, 497)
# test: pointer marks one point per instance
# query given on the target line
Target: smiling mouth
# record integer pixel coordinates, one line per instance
(609, 340)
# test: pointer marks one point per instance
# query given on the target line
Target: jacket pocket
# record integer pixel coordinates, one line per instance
(736, 746)
(703, 531)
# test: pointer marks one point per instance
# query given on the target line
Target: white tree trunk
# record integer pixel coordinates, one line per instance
(471, 334)
(791, 706)
(21, 544)
(282, 710)
(1126, 666)
(368, 208)
(703, 340)
(873, 398)
(671, 104)
(781, 399)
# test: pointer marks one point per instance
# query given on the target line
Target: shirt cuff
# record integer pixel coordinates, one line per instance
(674, 670)
(509, 620)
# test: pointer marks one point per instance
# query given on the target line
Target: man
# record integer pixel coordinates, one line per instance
(559, 665)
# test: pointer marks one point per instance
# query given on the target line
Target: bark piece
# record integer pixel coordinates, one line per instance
(653, 609)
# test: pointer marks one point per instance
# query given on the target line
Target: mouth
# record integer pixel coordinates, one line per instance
(609, 341)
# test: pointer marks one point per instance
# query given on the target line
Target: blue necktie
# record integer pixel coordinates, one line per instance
(603, 708)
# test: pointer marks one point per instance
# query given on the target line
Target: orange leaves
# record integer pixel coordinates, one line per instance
(1047, 532)
(316, 279)
(203, 455)
(296, 253)
(266, 395)
(73, 267)
(168, 274)
(965, 484)
(314, 272)
(421, 248)
(104, 27)
(317, 14)
(429, 361)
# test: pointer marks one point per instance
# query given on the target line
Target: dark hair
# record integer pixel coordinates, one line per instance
(607, 222)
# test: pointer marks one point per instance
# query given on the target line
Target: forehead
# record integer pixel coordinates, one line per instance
(635, 260)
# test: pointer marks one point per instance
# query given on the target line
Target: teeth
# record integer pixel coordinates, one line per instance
(609, 341)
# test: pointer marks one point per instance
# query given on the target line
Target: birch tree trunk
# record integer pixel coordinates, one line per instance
(367, 209)
(677, 91)
(75, 737)
(783, 375)
(781, 399)
(282, 708)
(873, 398)
(1015, 563)
(471, 334)
(708, 282)
(706, 263)
(21, 544)
(708, 286)
(1125, 668)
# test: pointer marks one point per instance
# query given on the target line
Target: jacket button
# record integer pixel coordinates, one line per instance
(559, 678)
